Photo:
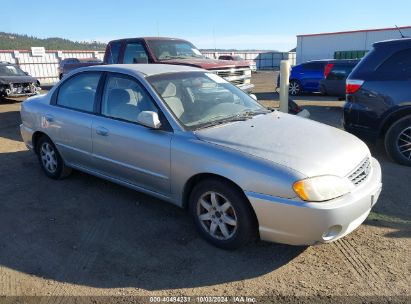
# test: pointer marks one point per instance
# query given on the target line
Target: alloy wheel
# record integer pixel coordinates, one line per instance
(217, 215)
(48, 157)
(404, 143)
(294, 88)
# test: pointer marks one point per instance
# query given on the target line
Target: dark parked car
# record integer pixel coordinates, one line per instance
(69, 64)
(15, 82)
(336, 72)
(379, 98)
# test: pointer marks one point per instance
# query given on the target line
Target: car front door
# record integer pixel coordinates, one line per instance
(68, 120)
(122, 148)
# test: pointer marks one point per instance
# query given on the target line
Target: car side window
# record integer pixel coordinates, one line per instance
(397, 67)
(125, 99)
(339, 72)
(135, 53)
(113, 52)
(312, 66)
(78, 92)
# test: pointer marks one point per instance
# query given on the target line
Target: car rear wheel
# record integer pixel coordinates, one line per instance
(50, 159)
(294, 88)
(398, 141)
(222, 214)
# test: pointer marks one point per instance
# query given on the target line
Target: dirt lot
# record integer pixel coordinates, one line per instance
(86, 236)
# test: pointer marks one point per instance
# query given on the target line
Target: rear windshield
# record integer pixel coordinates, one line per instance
(396, 67)
(384, 64)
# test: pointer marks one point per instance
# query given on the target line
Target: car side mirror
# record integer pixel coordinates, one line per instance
(253, 96)
(26, 73)
(149, 119)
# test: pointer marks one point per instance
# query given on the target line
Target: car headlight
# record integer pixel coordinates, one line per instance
(322, 188)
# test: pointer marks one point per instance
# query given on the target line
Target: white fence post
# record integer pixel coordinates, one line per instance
(284, 83)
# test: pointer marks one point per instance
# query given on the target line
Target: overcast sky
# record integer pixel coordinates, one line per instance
(208, 24)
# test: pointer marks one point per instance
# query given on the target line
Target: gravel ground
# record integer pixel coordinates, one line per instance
(84, 236)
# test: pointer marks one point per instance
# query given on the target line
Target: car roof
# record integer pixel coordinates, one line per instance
(144, 69)
(332, 61)
(148, 39)
(353, 61)
(394, 42)
(318, 60)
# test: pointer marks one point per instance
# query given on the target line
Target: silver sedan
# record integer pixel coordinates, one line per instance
(189, 137)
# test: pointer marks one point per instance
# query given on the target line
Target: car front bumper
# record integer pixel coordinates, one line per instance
(27, 135)
(296, 222)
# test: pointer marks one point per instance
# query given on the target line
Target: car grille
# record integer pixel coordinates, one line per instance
(236, 76)
(237, 82)
(361, 173)
(226, 73)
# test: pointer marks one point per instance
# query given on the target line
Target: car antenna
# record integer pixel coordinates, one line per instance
(402, 36)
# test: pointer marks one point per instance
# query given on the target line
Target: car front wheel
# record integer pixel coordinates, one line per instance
(50, 159)
(398, 141)
(294, 88)
(222, 214)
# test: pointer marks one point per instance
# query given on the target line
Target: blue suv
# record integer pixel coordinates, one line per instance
(306, 77)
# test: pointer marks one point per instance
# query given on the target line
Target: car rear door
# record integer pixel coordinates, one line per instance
(335, 82)
(310, 75)
(68, 120)
(123, 149)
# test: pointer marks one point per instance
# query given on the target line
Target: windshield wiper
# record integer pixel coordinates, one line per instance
(238, 117)
(222, 121)
(177, 57)
(251, 113)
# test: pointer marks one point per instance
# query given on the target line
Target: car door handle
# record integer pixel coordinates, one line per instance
(49, 118)
(102, 131)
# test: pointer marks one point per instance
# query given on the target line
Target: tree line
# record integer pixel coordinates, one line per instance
(11, 41)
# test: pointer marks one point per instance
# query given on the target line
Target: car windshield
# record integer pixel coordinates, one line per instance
(201, 99)
(173, 49)
(11, 70)
(238, 58)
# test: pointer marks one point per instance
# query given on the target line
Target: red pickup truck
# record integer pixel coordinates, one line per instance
(179, 52)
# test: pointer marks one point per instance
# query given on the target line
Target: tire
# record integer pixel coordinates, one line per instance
(228, 219)
(295, 88)
(398, 141)
(50, 160)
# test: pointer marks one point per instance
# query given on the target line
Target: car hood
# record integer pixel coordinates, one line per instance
(16, 79)
(304, 145)
(208, 64)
